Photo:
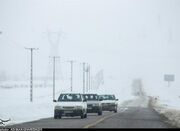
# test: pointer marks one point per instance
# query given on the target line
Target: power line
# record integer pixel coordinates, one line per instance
(31, 74)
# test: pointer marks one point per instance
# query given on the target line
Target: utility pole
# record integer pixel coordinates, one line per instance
(71, 62)
(54, 79)
(84, 78)
(87, 77)
(31, 74)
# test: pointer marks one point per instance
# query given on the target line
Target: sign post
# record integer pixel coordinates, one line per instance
(169, 78)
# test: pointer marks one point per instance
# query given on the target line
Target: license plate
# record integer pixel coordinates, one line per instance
(68, 111)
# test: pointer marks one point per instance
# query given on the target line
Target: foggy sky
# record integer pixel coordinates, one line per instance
(125, 38)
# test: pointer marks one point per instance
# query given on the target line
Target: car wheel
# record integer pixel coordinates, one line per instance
(85, 116)
(82, 116)
(100, 113)
(115, 111)
(55, 117)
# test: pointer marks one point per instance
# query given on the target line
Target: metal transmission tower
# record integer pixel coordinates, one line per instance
(54, 41)
(31, 74)
(71, 62)
(54, 72)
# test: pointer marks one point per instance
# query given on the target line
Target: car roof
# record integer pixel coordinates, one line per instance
(90, 94)
(107, 95)
(71, 93)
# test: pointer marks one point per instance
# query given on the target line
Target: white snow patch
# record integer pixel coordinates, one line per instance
(15, 104)
(171, 113)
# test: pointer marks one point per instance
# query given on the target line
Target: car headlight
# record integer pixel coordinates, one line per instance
(58, 107)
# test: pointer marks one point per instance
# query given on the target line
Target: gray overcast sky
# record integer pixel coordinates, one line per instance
(126, 38)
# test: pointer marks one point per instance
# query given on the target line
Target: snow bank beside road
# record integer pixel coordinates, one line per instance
(27, 112)
(173, 115)
(15, 104)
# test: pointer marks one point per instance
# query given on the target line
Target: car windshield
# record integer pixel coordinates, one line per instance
(91, 97)
(107, 97)
(70, 97)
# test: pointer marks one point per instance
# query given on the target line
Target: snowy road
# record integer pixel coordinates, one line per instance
(135, 117)
(127, 117)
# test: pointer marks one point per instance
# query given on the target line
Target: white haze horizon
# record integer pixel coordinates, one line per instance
(128, 39)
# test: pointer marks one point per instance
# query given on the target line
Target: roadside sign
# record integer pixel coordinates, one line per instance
(169, 77)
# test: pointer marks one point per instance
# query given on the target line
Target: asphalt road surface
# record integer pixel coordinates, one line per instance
(127, 117)
(135, 117)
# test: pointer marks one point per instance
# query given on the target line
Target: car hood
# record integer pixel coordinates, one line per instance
(69, 104)
(108, 101)
(93, 102)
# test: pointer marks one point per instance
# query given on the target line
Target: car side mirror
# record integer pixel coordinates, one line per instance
(117, 99)
(54, 100)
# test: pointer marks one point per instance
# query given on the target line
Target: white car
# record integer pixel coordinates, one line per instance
(93, 103)
(70, 104)
(109, 102)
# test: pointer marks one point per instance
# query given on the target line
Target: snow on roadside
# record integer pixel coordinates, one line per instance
(165, 100)
(28, 112)
(171, 113)
(15, 104)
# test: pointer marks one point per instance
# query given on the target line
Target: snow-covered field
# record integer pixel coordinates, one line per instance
(16, 105)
